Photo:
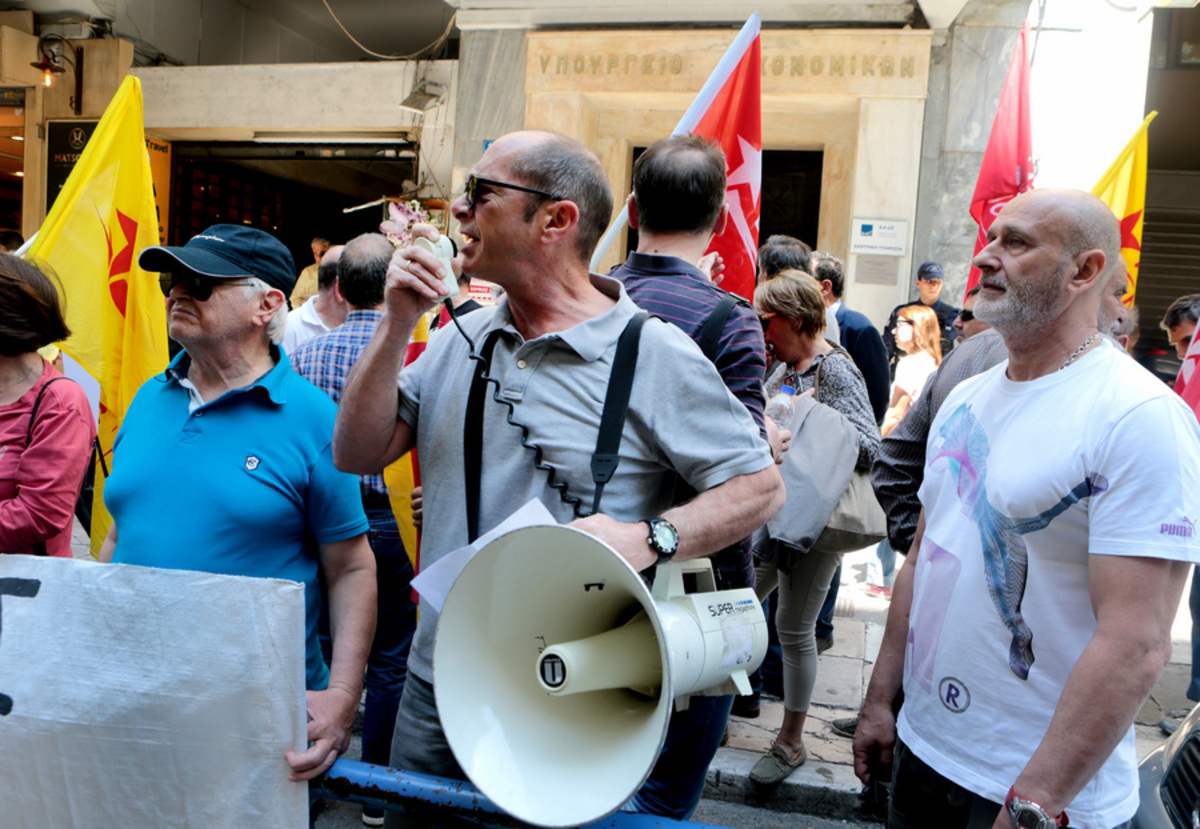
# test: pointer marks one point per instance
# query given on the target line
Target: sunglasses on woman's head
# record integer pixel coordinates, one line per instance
(198, 286)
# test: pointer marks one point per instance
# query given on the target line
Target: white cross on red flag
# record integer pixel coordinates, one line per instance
(734, 120)
(1007, 169)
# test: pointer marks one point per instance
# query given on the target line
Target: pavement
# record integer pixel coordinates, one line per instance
(825, 786)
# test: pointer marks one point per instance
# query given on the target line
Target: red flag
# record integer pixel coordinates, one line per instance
(734, 120)
(1007, 169)
(1187, 384)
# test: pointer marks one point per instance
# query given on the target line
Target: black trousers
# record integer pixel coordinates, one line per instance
(923, 798)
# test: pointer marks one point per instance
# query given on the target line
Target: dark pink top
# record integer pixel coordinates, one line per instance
(40, 483)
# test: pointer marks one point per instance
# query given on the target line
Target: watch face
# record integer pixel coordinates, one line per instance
(665, 537)
(1028, 816)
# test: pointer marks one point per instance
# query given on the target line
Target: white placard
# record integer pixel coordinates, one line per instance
(879, 237)
(131, 696)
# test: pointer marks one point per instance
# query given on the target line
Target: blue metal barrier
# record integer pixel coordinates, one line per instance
(397, 790)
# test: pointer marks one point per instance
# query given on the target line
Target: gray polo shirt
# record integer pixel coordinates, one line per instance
(681, 418)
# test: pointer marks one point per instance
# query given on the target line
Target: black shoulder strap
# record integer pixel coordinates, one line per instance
(616, 405)
(710, 334)
(473, 434)
(612, 420)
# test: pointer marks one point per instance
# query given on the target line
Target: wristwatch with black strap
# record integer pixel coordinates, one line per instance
(1028, 814)
(664, 539)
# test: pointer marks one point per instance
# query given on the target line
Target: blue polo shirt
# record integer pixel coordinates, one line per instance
(244, 485)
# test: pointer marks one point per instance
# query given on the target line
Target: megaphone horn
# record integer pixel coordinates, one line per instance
(556, 668)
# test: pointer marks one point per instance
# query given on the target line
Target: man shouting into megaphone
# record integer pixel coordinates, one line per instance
(534, 208)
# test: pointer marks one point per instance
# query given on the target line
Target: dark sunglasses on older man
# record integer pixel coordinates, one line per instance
(474, 183)
(965, 315)
(198, 286)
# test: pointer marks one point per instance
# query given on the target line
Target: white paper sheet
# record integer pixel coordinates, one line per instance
(434, 583)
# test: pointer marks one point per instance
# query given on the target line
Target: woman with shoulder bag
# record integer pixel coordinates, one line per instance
(792, 311)
(46, 427)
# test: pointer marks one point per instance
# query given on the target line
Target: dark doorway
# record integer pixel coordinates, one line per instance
(791, 194)
(294, 193)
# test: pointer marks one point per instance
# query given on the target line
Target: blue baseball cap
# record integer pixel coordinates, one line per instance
(227, 252)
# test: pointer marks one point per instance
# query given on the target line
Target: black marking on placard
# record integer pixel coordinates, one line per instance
(25, 589)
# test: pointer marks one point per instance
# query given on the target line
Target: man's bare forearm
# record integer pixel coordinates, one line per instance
(727, 513)
(887, 675)
(713, 520)
(1098, 703)
(350, 574)
(365, 436)
(1095, 711)
(875, 736)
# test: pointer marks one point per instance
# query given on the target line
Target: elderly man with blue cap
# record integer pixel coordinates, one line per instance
(223, 464)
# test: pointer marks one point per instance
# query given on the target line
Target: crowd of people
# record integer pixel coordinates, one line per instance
(1029, 470)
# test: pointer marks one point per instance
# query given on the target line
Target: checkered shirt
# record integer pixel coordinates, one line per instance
(326, 360)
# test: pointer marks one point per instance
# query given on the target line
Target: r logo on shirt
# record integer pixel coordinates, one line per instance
(251, 462)
(954, 695)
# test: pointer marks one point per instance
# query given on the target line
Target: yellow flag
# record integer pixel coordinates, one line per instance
(1123, 188)
(404, 474)
(99, 224)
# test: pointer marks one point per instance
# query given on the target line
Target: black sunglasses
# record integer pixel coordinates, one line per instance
(198, 286)
(965, 315)
(474, 182)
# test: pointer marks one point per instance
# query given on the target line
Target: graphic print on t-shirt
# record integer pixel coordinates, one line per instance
(964, 444)
(942, 569)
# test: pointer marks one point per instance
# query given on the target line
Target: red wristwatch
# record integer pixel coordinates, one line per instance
(1027, 814)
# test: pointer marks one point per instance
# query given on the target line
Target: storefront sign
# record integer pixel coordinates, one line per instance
(793, 64)
(160, 174)
(65, 141)
(804, 62)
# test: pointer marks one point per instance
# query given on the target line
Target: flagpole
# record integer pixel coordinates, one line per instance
(25, 247)
(691, 118)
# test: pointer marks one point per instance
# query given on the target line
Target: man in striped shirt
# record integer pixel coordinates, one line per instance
(677, 206)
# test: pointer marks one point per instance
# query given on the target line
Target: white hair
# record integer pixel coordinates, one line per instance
(277, 327)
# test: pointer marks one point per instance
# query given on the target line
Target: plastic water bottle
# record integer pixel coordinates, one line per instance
(782, 406)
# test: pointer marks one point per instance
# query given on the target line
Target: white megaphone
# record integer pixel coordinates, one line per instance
(556, 669)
